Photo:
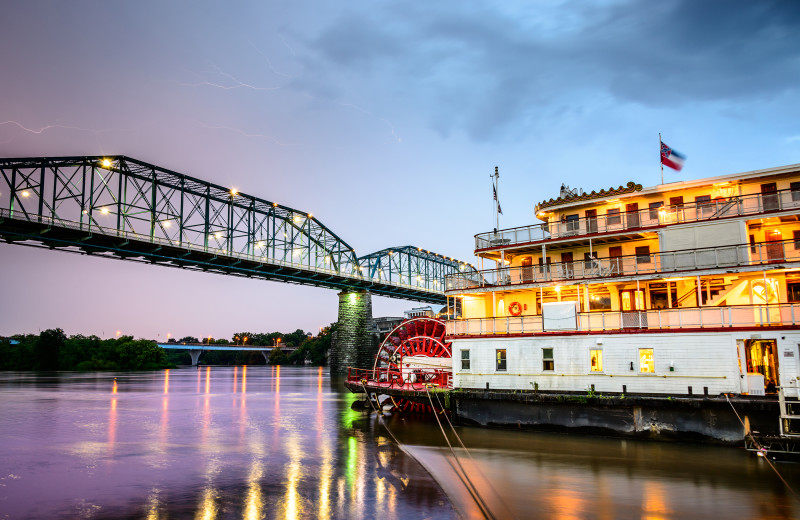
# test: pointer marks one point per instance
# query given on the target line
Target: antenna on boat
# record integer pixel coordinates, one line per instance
(498, 210)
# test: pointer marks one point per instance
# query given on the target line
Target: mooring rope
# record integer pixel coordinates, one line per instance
(472, 492)
(761, 448)
(453, 429)
(466, 480)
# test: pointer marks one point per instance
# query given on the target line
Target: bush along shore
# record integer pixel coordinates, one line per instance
(54, 350)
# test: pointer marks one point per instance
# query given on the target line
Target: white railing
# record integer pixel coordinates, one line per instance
(665, 319)
(643, 218)
(653, 263)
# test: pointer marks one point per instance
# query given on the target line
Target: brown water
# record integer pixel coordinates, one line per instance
(263, 442)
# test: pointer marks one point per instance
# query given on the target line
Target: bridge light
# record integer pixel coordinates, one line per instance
(106, 163)
(86, 212)
(261, 244)
(274, 204)
(26, 193)
(104, 211)
(167, 223)
(234, 192)
(218, 234)
(310, 215)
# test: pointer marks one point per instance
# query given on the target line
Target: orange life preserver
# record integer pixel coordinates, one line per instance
(514, 308)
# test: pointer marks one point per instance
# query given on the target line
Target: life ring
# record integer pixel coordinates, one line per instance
(515, 309)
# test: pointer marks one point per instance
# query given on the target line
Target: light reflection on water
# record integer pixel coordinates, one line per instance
(209, 443)
(272, 442)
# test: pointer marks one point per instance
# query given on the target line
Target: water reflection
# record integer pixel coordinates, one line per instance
(254, 502)
(161, 445)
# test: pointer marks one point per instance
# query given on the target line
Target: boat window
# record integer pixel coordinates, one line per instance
(501, 359)
(596, 360)
(600, 300)
(662, 294)
(793, 292)
(613, 217)
(465, 360)
(795, 188)
(654, 207)
(646, 361)
(547, 359)
(643, 255)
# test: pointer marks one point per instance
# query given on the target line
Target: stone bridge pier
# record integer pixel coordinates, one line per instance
(353, 343)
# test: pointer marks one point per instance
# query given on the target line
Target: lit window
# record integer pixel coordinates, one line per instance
(654, 207)
(547, 359)
(465, 360)
(646, 363)
(596, 360)
(501, 359)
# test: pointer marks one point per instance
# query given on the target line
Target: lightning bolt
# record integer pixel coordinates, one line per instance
(367, 112)
(269, 63)
(237, 83)
(245, 134)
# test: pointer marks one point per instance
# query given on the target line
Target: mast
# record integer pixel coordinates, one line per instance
(660, 160)
(496, 182)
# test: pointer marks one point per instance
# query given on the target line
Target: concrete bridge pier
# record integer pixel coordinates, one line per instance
(195, 353)
(265, 353)
(353, 344)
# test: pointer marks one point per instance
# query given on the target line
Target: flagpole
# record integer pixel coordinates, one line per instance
(660, 159)
(494, 201)
(496, 198)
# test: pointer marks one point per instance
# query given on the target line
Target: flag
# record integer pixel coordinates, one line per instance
(671, 158)
(494, 189)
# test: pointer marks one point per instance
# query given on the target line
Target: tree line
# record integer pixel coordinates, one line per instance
(54, 350)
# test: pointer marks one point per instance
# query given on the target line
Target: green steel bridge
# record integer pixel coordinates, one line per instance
(119, 207)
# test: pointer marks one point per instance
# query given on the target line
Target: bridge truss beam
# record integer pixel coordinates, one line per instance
(123, 208)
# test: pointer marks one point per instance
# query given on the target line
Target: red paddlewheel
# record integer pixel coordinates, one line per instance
(415, 351)
(412, 407)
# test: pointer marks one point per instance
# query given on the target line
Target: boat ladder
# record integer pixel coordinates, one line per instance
(790, 416)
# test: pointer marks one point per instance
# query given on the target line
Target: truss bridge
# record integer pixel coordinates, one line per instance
(123, 208)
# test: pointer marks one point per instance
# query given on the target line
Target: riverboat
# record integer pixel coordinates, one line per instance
(644, 310)
(683, 288)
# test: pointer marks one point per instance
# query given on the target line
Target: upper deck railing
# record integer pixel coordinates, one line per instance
(741, 316)
(736, 256)
(650, 217)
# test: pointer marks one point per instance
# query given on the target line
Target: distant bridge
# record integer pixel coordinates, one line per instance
(195, 349)
(123, 208)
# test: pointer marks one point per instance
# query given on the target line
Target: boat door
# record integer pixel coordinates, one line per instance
(774, 245)
(615, 259)
(632, 215)
(762, 358)
(769, 197)
(631, 303)
(527, 269)
(566, 263)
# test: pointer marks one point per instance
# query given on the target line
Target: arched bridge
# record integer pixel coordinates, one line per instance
(123, 208)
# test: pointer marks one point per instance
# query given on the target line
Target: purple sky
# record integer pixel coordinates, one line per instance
(384, 119)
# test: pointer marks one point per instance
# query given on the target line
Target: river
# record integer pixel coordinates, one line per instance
(283, 442)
